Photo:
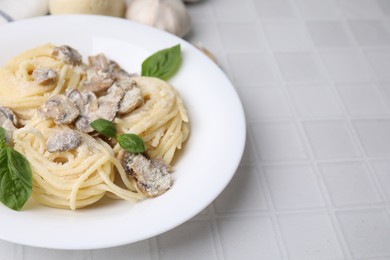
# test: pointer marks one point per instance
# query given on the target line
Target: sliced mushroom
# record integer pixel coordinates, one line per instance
(90, 102)
(108, 104)
(83, 123)
(153, 176)
(63, 140)
(97, 80)
(99, 61)
(114, 68)
(60, 108)
(131, 100)
(75, 96)
(67, 54)
(8, 121)
(85, 101)
(104, 107)
(123, 79)
(44, 75)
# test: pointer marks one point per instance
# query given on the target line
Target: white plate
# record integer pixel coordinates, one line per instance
(208, 162)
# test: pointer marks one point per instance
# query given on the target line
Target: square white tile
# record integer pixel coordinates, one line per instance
(370, 33)
(191, 241)
(139, 250)
(349, 183)
(293, 186)
(319, 9)
(367, 232)
(299, 67)
(33, 253)
(240, 37)
(276, 9)
(362, 99)
(380, 60)
(287, 36)
(201, 11)
(347, 66)
(310, 236)
(314, 101)
(329, 34)
(234, 11)
(278, 141)
(264, 102)
(249, 236)
(10, 250)
(252, 68)
(374, 135)
(330, 139)
(245, 193)
(361, 9)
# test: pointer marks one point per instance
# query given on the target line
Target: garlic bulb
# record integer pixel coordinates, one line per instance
(103, 7)
(168, 15)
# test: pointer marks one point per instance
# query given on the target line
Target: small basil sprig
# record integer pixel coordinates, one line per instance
(130, 142)
(104, 127)
(162, 64)
(15, 176)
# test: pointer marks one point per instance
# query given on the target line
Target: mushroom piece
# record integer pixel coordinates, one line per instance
(99, 61)
(132, 98)
(83, 123)
(108, 104)
(67, 54)
(153, 177)
(8, 121)
(85, 101)
(100, 73)
(44, 75)
(60, 108)
(97, 80)
(104, 107)
(75, 96)
(63, 140)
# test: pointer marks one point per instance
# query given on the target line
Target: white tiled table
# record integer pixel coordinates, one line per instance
(314, 182)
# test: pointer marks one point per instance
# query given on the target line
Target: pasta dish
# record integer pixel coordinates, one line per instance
(49, 98)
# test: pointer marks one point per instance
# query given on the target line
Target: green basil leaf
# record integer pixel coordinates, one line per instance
(104, 127)
(131, 143)
(162, 64)
(2, 136)
(15, 178)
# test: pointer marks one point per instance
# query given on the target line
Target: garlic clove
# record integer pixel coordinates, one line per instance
(168, 15)
(102, 7)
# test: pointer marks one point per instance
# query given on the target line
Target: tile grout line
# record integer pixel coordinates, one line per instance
(353, 133)
(342, 243)
(365, 159)
(280, 239)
